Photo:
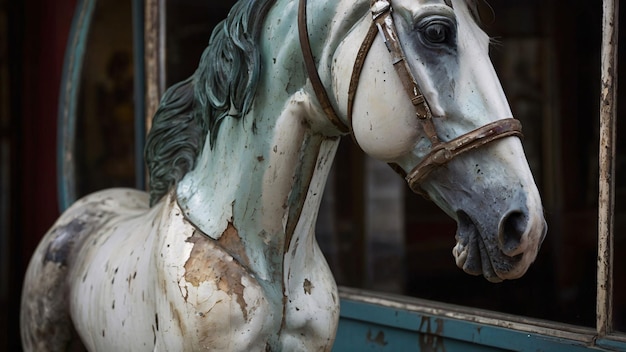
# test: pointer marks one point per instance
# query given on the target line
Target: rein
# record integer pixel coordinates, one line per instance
(441, 152)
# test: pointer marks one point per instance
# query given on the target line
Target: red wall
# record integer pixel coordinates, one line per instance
(40, 30)
(45, 38)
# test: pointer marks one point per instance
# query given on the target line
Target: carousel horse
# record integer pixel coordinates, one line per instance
(222, 254)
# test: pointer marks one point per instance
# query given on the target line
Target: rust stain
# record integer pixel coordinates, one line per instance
(439, 323)
(379, 339)
(429, 340)
(207, 264)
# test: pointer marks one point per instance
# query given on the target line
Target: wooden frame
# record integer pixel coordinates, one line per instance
(154, 57)
(68, 102)
(606, 197)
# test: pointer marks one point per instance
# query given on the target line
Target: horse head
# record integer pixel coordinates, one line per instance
(424, 97)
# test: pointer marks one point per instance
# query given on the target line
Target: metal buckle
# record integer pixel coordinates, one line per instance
(380, 7)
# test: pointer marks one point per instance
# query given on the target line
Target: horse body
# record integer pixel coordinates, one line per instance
(148, 279)
(227, 258)
(227, 261)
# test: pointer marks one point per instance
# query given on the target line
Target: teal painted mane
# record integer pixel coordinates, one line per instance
(223, 86)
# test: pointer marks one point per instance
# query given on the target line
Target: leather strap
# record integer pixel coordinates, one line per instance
(311, 69)
(381, 13)
(382, 22)
(358, 68)
(444, 152)
(441, 152)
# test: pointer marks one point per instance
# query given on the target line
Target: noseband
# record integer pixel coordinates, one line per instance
(441, 152)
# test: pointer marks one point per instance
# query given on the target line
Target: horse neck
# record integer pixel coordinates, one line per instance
(265, 173)
(264, 179)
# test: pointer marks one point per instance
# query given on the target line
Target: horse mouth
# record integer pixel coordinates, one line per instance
(478, 255)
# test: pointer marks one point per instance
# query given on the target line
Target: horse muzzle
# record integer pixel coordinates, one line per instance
(503, 254)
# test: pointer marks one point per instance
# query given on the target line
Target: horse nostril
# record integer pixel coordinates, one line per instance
(512, 229)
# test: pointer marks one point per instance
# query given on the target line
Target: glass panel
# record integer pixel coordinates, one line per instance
(384, 227)
(105, 124)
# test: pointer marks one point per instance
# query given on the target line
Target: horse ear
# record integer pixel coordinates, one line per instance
(175, 140)
(480, 10)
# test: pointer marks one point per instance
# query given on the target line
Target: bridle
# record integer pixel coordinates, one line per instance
(441, 152)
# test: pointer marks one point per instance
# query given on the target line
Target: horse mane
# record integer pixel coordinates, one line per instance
(222, 86)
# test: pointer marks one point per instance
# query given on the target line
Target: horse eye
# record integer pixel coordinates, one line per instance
(436, 33)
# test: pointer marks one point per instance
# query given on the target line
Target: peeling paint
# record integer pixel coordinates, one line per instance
(308, 286)
(204, 266)
(232, 243)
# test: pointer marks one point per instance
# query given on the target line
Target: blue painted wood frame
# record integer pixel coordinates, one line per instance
(70, 95)
(68, 102)
(377, 322)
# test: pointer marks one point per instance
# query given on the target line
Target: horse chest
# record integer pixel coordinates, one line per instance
(152, 281)
(214, 299)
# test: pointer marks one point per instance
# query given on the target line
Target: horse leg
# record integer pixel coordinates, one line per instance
(46, 324)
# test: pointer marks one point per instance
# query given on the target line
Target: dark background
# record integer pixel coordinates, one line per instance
(560, 286)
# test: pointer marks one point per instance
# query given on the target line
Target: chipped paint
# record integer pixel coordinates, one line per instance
(203, 266)
(232, 243)
(379, 339)
(308, 286)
